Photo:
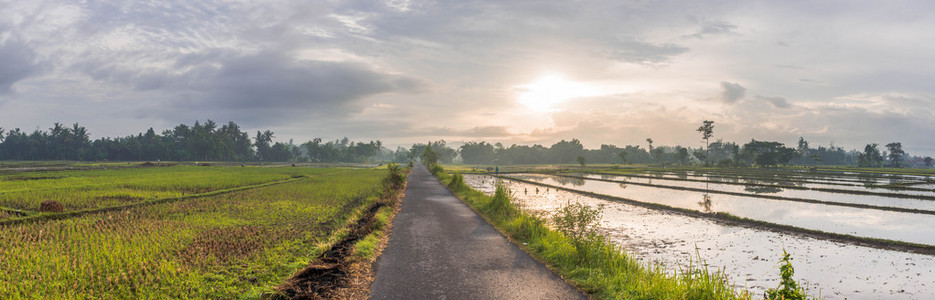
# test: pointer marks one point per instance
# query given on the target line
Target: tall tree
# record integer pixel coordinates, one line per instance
(707, 131)
(871, 157)
(429, 157)
(681, 154)
(263, 144)
(650, 141)
(896, 153)
(802, 149)
(623, 156)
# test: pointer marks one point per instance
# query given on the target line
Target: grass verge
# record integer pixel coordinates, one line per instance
(598, 267)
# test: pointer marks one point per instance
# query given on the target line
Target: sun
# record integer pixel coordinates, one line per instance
(548, 91)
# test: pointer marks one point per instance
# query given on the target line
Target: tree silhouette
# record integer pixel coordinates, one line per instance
(650, 141)
(707, 131)
(896, 153)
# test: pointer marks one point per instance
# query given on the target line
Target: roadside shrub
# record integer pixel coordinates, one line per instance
(395, 179)
(500, 205)
(393, 183)
(579, 222)
(51, 206)
(436, 169)
(457, 181)
(788, 289)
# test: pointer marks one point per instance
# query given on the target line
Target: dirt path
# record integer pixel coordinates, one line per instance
(441, 249)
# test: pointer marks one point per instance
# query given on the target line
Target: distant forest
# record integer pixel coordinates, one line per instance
(210, 142)
(719, 153)
(200, 142)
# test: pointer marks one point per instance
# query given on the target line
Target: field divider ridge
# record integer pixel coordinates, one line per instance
(780, 198)
(731, 220)
(16, 211)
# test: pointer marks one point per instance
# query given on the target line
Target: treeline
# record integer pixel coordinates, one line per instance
(209, 141)
(719, 153)
(200, 142)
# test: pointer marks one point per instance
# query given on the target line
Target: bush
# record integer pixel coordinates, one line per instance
(579, 222)
(395, 179)
(436, 169)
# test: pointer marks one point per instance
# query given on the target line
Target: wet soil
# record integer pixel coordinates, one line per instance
(333, 270)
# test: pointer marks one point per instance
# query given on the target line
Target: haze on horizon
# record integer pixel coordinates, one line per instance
(605, 72)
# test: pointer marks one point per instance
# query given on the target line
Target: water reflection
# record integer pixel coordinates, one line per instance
(868, 181)
(757, 189)
(681, 174)
(705, 203)
(764, 186)
(568, 180)
(705, 200)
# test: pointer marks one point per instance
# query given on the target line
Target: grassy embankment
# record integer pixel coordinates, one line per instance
(596, 266)
(394, 184)
(240, 244)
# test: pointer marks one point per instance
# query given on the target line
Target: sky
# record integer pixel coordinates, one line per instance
(846, 73)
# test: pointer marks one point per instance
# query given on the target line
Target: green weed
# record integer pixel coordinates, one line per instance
(788, 289)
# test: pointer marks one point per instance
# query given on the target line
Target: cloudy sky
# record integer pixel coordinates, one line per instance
(617, 72)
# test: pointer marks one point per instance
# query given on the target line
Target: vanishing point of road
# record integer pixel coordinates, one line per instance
(441, 249)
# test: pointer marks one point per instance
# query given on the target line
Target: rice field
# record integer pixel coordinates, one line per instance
(238, 244)
(90, 189)
(749, 254)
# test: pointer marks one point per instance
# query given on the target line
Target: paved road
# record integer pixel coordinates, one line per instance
(441, 249)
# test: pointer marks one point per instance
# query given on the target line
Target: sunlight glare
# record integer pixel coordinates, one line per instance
(550, 90)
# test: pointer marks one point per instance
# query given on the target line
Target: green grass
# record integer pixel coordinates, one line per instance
(234, 245)
(89, 189)
(598, 267)
(366, 248)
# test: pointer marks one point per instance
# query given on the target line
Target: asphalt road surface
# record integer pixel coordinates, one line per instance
(441, 249)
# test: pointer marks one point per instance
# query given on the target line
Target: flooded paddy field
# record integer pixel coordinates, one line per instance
(749, 257)
(916, 188)
(871, 223)
(798, 176)
(912, 200)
